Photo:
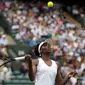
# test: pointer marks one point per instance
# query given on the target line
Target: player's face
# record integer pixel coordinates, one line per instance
(46, 48)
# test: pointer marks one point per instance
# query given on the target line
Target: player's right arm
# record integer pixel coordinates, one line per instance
(32, 66)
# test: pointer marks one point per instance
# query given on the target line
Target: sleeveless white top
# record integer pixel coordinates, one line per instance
(46, 75)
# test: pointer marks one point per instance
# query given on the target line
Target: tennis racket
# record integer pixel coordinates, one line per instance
(4, 59)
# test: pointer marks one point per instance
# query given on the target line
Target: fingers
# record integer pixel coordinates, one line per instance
(27, 57)
(72, 74)
(75, 73)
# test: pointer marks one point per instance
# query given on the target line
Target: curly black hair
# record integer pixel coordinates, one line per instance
(36, 50)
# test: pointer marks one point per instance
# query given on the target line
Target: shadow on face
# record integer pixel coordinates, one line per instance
(46, 48)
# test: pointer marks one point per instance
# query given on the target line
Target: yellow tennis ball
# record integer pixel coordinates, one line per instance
(50, 4)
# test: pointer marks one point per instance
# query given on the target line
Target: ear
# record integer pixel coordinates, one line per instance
(41, 52)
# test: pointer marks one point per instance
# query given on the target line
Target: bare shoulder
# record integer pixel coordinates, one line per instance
(35, 61)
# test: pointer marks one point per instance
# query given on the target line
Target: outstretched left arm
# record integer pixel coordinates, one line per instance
(61, 80)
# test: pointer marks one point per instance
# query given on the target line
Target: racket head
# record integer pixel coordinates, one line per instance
(4, 59)
(1, 62)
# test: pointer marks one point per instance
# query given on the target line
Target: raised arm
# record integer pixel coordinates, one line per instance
(61, 80)
(31, 63)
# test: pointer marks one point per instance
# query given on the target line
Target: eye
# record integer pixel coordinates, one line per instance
(49, 46)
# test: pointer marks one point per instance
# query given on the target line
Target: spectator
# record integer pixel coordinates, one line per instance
(23, 68)
(4, 41)
(83, 81)
(5, 71)
(83, 66)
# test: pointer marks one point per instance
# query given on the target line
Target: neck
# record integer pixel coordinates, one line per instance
(46, 57)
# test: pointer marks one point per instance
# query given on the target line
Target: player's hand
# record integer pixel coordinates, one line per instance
(72, 74)
(28, 58)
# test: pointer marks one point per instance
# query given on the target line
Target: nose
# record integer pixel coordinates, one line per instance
(49, 47)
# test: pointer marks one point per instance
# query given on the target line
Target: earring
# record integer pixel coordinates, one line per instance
(40, 54)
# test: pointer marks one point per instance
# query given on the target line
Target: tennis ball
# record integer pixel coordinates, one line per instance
(50, 4)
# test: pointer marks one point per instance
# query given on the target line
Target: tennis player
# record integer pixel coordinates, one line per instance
(43, 70)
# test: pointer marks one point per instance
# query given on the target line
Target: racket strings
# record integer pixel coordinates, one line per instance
(5, 58)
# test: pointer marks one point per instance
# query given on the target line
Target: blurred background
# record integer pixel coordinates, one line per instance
(23, 24)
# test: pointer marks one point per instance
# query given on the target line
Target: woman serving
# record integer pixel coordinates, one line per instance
(43, 70)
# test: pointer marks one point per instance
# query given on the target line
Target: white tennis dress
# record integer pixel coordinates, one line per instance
(46, 75)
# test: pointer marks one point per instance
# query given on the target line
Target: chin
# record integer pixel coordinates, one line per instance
(47, 52)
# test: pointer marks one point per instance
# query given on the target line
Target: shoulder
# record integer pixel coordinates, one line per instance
(35, 61)
(56, 63)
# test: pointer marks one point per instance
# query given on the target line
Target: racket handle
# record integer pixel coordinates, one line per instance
(19, 58)
(14, 59)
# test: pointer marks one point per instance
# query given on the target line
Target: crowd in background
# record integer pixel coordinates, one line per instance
(78, 13)
(3, 43)
(31, 21)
